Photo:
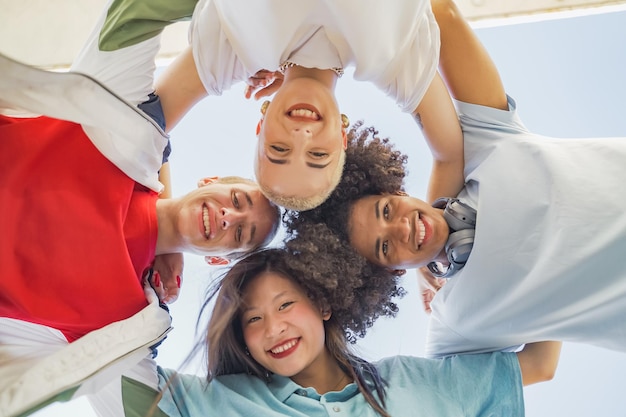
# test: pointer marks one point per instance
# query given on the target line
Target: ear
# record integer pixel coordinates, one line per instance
(401, 193)
(398, 272)
(326, 313)
(216, 260)
(344, 135)
(206, 181)
(259, 126)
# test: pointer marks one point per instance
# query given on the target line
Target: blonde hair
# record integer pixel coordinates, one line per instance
(305, 203)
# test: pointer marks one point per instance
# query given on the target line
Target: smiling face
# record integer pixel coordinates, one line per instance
(301, 141)
(397, 231)
(283, 328)
(222, 218)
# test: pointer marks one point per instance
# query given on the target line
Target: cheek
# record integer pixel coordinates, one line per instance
(250, 337)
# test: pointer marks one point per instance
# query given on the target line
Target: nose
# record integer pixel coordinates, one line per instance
(302, 132)
(274, 327)
(231, 217)
(401, 229)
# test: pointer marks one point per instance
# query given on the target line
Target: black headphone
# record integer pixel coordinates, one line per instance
(461, 220)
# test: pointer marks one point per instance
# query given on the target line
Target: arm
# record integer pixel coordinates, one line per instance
(538, 361)
(437, 117)
(465, 65)
(179, 88)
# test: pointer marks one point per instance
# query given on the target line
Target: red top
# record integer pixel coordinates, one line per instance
(76, 233)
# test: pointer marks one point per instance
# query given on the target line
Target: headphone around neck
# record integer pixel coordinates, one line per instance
(461, 220)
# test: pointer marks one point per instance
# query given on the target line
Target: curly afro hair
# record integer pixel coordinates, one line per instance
(333, 274)
(373, 166)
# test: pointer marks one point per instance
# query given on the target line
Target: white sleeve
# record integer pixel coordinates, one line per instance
(83, 367)
(128, 72)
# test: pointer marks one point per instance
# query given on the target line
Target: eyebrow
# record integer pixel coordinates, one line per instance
(252, 232)
(286, 161)
(377, 247)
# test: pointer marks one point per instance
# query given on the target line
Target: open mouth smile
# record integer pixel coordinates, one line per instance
(304, 112)
(283, 349)
(206, 221)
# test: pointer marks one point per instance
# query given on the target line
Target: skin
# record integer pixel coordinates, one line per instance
(239, 220)
(276, 312)
(298, 152)
(385, 229)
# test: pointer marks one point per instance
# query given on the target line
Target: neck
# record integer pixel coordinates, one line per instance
(326, 77)
(167, 240)
(326, 378)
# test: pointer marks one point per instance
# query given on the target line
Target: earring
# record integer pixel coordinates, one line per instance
(264, 107)
(345, 122)
(247, 351)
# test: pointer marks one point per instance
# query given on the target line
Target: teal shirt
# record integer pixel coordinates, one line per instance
(465, 385)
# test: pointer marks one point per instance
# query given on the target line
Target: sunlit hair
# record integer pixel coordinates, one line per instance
(304, 203)
(333, 276)
(276, 215)
(373, 167)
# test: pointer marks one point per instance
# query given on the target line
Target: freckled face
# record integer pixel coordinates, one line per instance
(397, 231)
(282, 328)
(221, 218)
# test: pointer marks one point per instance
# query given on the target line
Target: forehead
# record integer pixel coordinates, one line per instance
(366, 207)
(267, 285)
(363, 227)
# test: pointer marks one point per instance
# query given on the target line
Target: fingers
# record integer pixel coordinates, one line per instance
(167, 276)
(427, 298)
(266, 82)
(429, 285)
(166, 289)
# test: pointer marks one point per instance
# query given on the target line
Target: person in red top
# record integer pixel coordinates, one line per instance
(80, 213)
(79, 234)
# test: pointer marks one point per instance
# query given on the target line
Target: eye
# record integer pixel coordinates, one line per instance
(253, 319)
(285, 305)
(386, 211)
(318, 155)
(278, 148)
(235, 200)
(385, 247)
(238, 234)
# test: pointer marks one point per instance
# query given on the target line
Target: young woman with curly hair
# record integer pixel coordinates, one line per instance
(538, 233)
(279, 338)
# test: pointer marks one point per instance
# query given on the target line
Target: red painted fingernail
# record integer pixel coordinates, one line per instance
(157, 279)
(178, 280)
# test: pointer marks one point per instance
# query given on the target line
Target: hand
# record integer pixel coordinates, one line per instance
(429, 285)
(265, 82)
(167, 276)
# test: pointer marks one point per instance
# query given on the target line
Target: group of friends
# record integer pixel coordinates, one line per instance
(503, 244)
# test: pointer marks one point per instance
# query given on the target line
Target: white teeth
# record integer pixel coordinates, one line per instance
(304, 113)
(422, 231)
(284, 347)
(205, 219)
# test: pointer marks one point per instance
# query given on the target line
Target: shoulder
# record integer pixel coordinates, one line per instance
(489, 119)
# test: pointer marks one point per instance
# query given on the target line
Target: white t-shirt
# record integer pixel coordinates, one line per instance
(393, 44)
(547, 261)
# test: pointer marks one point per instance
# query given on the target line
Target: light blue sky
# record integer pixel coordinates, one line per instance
(567, 77)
